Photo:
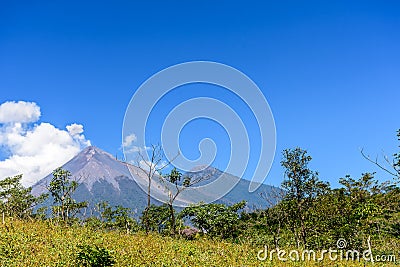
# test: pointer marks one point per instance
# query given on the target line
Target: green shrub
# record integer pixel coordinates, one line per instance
(93, 256)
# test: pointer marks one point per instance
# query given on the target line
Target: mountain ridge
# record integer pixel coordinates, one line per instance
(104, 178)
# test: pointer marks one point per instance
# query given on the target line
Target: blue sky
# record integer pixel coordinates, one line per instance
(329, 69)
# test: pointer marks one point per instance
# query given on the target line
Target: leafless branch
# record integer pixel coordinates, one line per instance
(376, 162)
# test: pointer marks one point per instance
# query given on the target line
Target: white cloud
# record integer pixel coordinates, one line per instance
(75, 129)
(129, 140)
(20, 111)
(37, 149)
(129, 147)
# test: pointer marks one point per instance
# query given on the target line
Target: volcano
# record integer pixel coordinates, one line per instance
(101, 177)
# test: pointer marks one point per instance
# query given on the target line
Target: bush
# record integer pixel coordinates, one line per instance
(93, 256)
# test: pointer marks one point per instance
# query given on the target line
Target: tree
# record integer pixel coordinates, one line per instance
(175, 184)
(391, 166)
(273, 218)
(61, 188)
(217, 220)
(375, 206)
(16, 200)
(117, 217)
(151, 167)
(302, 186)
(174, 177)
(396, 158)
(157, 218)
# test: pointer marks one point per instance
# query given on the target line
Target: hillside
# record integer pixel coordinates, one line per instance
(43, 244)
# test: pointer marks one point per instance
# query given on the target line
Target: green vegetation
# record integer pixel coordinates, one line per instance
(175, 183)
(93, 256)
(217, 220)
(363, 214)
(61, 189)
(41, 243)
(15, 200)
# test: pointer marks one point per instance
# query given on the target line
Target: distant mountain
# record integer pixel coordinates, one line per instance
(240, 191)
(104, 178)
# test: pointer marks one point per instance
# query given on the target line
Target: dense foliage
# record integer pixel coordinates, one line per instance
(93, 256)
(16, 200)
(61, 188)
(309, 214)
(216, 220)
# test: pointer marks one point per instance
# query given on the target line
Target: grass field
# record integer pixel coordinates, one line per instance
(41, 243)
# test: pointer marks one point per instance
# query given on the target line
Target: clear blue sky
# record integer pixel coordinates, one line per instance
(330, 70)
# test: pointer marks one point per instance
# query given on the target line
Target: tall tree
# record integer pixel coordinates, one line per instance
(61, 188)
(151, 166)
(302, 186)
(16, 200)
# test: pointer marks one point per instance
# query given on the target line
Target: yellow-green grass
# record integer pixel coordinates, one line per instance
(44, 244)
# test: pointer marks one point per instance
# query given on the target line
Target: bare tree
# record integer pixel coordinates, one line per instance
(151, 166)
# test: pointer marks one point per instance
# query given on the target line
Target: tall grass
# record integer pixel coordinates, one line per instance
(41, 243)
